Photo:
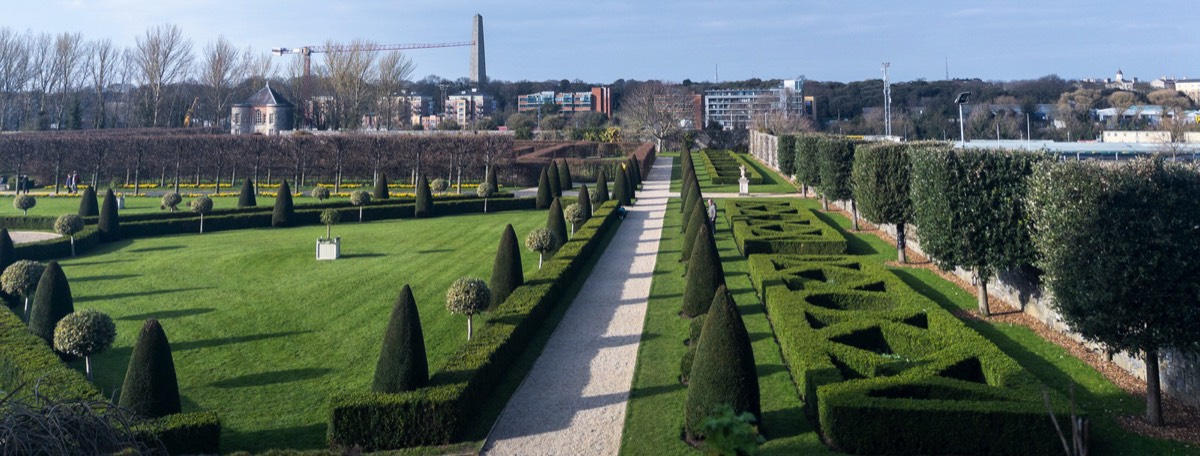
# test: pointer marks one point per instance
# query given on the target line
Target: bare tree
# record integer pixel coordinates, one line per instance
(41, 62)
(394, 68)
(259, 68)
(1121, 101)
(656, 109)
(162, 56)
(350, 72)
(69, 51)
(223, 66)
(15, 70)
(102, 57)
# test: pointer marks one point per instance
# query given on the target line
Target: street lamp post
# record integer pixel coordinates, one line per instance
(962, 130)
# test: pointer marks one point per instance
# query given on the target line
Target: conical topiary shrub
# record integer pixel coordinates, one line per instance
(87, 204)
(151, 389)
(381, 188)
(110, 222)
(704, 274)
(51, 302)
(635, 172)
(689, 202)
(424, 207)
(555, 181)
(247, 197)
(402, 363)
(564, 175)
(723, 371)
(556, 223)
(284, 212)
(601, 186)
(585, 203)
(490, 178)
(697, 219)
(8, 253)
(688, 169)
(506, 269)
(544, 194)
(621, 188)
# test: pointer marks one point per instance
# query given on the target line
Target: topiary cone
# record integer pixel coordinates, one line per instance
(723, 370)
(585, 203)
(403, 365)
(564, 175)
(381, 188)
(87, 204)
(544, 194)
(698, 218)
(557, 224)
(110, 222)
(8, 253)
(555, 180)
(151, 389)
(284, 212)
(490, 178)
(506, 269)
(694, 195)
(704, 274)
(424, 207)
(601, 186)
(247, 197)
(621, 188)
(51, 302)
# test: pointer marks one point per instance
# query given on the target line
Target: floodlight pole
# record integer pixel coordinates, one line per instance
(962, 130)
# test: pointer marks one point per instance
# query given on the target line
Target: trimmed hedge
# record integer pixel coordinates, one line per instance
(182, 433)
(439, 413)
(774, 226)
(723, 167)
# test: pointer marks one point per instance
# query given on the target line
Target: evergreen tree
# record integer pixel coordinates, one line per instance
(693, 196)
(8, 253)
(110, 222)
(621, 189)
(564, 175)
(880, 176)
(687, 168)
(555, 180)
(506, 268)
(686, 190)
(723, 371)
(601, 186)
(697, 219)
(402, 362)
(544, 194)
(585, 202)
(51, 302)
(424, 207)
(556, 223)
(151, 389)
(87, 204)
(381, 188)
(284, 211)
(490, 178)
(247, 197)
(635, 170)
(704, 274)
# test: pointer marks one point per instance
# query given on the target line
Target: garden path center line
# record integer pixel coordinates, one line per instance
(573, 400)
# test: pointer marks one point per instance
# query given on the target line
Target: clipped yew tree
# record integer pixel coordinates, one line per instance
(574, 215)
(424, 206)
(723, 371)
(246, 198)
(541, 241)
(360, 198)
(544, 193)
(51, 302)
(485, 190)
(468, 296)
(87, 204)
(970, 207)
(403, 365)
(203, 205)
(83, 334)
(694, 196)
(556, 223)
(381, 187)
(170, 201)
(555, 179)
(68, 225)
(110, 222)
(564, 175)
(601, 193)
(808, 171)
(321, 193)
(1119, 248)
(21, 279)
(24, 203)
(704, 274)
(784, 152)
(621, 190)
(835, 161)
(8, 252)
(151, 389)
(285, 212)
(506, 268)
(584, 200)
(697, 218)
(880, 177)
(490, 178)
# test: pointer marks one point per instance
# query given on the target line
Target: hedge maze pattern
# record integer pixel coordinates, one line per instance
(780, 227)
(723, 167)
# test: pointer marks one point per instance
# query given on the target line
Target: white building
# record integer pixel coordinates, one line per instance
(734, 108)
(264, 113)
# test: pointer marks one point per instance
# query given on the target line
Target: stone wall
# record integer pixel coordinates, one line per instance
(765, 148)
(1180, 372)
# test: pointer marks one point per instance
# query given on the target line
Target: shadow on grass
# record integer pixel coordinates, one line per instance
(104, 277)
(310, 436)
(165, 314)
(364, 255)
(136, 294)
(157, 249)
(854, 244)
(272, 378)
(93, 263)
(209, 343)
(422, 252)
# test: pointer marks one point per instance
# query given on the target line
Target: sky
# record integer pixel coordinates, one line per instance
(601, 41)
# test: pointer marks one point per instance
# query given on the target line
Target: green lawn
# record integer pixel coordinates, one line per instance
(262, 333)
(772, 181)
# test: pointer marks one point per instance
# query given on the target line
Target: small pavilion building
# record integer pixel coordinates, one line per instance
(264, 113)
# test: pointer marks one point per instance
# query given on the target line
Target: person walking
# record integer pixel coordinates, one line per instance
(712, 216)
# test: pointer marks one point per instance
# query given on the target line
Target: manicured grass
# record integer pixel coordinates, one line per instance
(772, 181)
(654, 417)
(262, 333)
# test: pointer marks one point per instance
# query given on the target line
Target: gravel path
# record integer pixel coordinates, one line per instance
(25, 237)
(573, 400)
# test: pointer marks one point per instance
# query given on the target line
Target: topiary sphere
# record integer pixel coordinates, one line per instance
(574, 214)
(360, 197)
(21, 278)
(24, 202)
(68, 224)
(439, 185)
(84, 333)
(468, 295)
(540, 240)
(171, 200)
(320, 193)
(330, 216)
(484, 190)
(201, 205)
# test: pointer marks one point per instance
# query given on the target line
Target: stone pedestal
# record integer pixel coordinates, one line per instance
(744, 186)
(329, 249)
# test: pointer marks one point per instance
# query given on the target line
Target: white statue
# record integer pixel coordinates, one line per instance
(742, 168)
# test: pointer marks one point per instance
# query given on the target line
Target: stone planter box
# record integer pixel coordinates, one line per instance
(329, 249)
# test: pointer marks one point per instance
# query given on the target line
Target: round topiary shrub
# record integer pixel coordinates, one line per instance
(381, 187)
(574, 214)
(21, 279)
(24, 203)
(403, 365)
(540, 240)
(360, 198)
(51, 302)
(201, 205)
(329, 217)
(506, 268)
(468, 296)
(320, 193)
(723, 371)
(485, 191)
(170, 201)
(151, 389)
(247, 197)
(85, 333)
(439, 185)
(69, 225)
(110, 221)
(88, 207)
(284, 211)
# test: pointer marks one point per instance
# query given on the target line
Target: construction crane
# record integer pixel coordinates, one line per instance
(308, 51)
(187, 118)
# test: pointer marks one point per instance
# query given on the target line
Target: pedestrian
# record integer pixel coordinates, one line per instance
(74, 182)
(712, 216)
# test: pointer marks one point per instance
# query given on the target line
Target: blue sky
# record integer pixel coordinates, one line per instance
(603, 40)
